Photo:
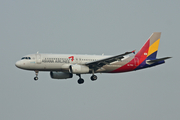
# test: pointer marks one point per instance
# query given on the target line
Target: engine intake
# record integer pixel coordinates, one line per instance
(60, 75)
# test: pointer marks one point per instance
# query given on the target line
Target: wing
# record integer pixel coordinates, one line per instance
(100, 63)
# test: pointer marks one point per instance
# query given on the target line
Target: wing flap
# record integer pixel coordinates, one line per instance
(99, 63)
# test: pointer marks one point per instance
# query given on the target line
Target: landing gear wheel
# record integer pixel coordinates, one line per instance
(35, 78)
(81, 81)
(93, 77)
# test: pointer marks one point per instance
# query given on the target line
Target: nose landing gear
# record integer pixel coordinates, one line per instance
(36, 78)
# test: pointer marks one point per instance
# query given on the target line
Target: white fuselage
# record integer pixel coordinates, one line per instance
(61, 62)
(64, 66)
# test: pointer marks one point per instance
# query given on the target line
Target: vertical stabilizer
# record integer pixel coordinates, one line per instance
(150, 48)
(154, 44)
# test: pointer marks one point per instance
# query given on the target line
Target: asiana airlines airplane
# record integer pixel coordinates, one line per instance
(64, 66)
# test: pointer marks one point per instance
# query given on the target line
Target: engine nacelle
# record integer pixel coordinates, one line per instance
(60, 75)
(78, 69)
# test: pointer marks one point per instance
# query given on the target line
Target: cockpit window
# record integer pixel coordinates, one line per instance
(27, 58)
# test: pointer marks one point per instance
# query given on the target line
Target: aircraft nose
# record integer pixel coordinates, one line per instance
(18, 64)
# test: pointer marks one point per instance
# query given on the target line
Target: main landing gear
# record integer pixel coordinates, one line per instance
(36, 78)
(93, 77)
(81, 81)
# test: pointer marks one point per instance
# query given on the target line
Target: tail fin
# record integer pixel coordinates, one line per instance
(146, 57)
(150, 48)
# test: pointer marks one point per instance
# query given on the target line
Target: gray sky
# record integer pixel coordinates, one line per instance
(89, 27)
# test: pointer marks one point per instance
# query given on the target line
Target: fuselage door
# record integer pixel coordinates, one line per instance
(38, 58)
(79, 59)
(136, 61)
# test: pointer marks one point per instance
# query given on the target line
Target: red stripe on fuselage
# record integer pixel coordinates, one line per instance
(127, 67)
(143, 49)
(141, 55)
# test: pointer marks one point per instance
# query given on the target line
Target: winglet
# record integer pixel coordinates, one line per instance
(129, 52)
(133, 51)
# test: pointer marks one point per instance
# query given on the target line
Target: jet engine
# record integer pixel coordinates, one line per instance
(78, 69)
(60, 75)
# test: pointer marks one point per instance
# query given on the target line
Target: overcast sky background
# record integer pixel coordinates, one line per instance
(89, 27)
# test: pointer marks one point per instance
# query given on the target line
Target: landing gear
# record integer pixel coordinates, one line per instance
(36, 78)
(80, 80)
(93, 77)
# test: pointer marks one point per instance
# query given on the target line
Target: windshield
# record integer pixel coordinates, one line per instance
(27, 58)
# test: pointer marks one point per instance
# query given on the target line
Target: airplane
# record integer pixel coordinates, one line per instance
(63, 66)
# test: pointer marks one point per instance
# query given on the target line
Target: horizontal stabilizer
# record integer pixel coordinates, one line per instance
(156, 60)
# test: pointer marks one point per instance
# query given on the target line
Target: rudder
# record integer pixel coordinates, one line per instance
(154, 44)
(150, 48)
